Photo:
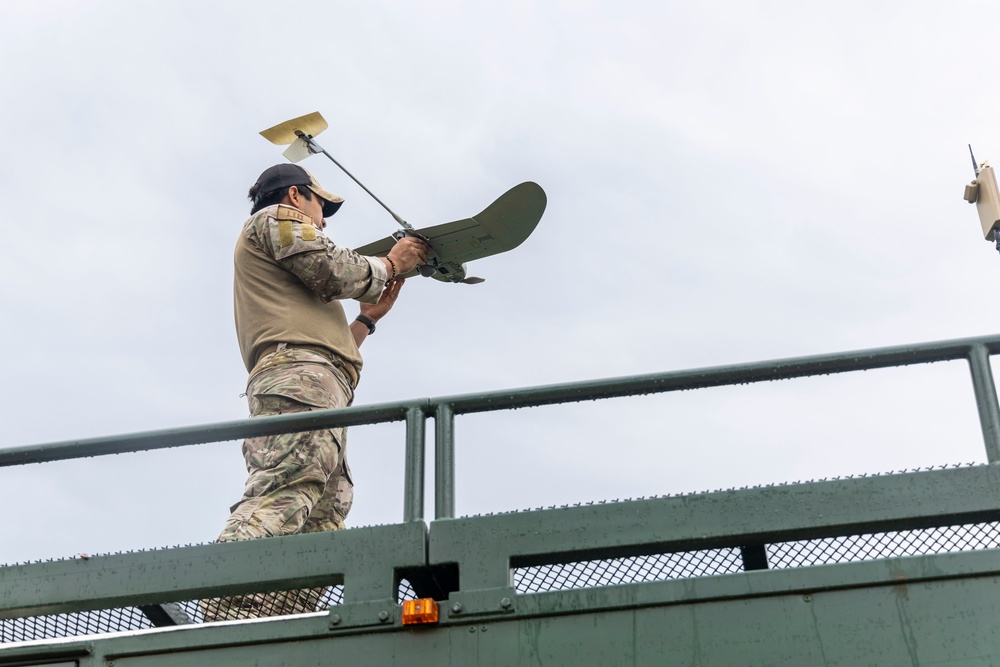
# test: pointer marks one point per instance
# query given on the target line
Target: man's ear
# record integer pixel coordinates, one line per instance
(292, 196)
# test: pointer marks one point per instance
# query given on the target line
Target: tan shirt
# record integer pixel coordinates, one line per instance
(288, 279)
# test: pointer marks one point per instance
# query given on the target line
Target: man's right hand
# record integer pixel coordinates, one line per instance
(407, 254)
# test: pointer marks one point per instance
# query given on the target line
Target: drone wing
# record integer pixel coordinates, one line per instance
(502, 226)
(378, 248)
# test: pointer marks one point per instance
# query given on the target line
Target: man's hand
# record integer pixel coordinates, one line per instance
(376, 311)
(406, 255)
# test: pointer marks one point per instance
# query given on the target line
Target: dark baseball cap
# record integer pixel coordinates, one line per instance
(285, 175)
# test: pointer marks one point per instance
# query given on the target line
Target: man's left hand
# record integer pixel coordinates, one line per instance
(385, 303)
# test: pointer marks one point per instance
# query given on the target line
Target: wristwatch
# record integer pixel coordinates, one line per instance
(368, 322)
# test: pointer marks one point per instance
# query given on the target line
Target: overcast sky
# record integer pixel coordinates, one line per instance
(727, 182)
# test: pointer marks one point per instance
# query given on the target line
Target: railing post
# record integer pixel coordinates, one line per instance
(444, 462)
(413, 481)
(986, 400)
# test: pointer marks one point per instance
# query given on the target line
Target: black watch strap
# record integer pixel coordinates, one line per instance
(368, 322)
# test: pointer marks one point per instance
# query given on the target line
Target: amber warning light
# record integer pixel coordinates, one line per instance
(420, 612)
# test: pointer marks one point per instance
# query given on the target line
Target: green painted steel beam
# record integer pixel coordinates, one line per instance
(363, 559)
(444, 461)
(986, 400)
(920, 610)
(413, 473)
(487, 546)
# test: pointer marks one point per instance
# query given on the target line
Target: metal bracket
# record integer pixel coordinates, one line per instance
(485, 602)
(364, 614)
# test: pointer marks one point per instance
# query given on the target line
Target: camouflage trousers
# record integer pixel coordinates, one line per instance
(298, 482)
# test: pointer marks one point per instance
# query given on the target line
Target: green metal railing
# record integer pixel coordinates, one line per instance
(976, 351)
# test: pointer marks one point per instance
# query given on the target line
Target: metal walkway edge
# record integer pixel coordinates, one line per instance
(901, 568)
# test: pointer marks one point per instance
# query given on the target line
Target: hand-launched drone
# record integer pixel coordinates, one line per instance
(502, 226)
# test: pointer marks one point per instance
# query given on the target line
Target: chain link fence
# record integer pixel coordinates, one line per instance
(781, 555)
(102, 621)
(628, 570)
(72, 625)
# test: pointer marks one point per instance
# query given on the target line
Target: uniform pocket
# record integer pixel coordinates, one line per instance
(306, 383)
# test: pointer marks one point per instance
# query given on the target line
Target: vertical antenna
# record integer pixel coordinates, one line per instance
(975, 165)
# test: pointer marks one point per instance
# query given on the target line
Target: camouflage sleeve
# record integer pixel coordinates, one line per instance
(329, 270)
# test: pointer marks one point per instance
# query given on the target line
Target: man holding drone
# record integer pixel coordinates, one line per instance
(302, 354)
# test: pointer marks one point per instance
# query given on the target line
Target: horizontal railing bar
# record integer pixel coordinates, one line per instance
(715, 376)
(218, 432)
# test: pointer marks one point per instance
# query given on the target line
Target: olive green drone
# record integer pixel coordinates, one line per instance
(501, 226)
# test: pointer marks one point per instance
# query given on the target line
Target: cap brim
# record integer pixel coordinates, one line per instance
(331, 202)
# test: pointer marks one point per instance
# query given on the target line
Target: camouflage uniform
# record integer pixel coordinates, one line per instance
(298, 482)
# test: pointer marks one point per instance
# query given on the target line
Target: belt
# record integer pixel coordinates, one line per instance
(348, 369)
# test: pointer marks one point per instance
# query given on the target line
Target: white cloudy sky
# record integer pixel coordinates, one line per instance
(727, 181)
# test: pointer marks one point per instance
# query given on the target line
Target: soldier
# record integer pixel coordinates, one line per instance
(302, 354)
